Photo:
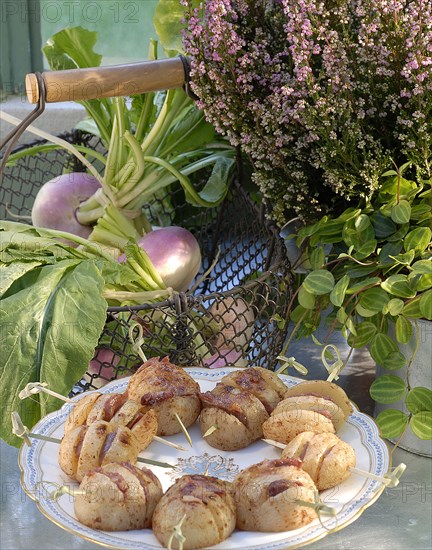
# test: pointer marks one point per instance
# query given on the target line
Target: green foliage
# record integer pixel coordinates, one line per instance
(377, 274)
(53, 311)
(153, 141)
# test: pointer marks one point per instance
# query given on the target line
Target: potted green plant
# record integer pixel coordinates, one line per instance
(375, 286)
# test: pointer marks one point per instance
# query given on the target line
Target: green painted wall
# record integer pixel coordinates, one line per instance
(124, 26)
(19, 31)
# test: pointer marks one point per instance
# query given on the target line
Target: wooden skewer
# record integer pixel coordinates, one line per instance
(33, 388)
(211, 430)
(42, 387)
(184, 430)
(274, 443)
(390, 479)
(24, 433)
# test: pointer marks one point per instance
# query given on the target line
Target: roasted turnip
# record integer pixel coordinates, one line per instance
(58, 199)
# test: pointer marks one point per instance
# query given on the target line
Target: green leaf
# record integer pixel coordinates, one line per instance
(319, 282)
(351, 326)
(72, 48)
(365, 333)
(404, 329)
(388, 251)
(399, 235)
(425, 305)
(419, 399)
(364, 283)
(337, 295)
(419, 210)
(317, 258)
(77, 43)
(297, 314)
(382, 225)
(381, 346)
(390, 187)
(355, 271)
(392, 423)
(168, 23)
(366, 249)
(387, 389)
(394, 307)
(363, 312)
(306, 299)
(421, 425)
(190, 129)
(50, 332)
(358, 231)
(424, 282)
(398, 285)
(10, 273)
(412, 309)
(406, 258)
(216, 187)
(395, 360)
(89, 126)
(341, 315)
(401, 212)
(418, 239)
(374, 299)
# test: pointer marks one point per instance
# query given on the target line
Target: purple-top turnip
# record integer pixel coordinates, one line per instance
(102, 368)
(175, 254)
(58, 200)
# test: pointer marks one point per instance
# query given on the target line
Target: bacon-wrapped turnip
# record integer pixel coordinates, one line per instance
(169, 390)
(325, 457)
(262, 383)
(87, 447)
(204, 507)
(237, 415)
(118, 497)
(267, 496)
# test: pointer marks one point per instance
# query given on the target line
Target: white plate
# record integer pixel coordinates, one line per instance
(39, 464)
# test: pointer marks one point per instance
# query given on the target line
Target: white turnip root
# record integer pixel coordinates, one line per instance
(225, 357)
(58, 200)
(103, 366)
(236, 318)
(175, 254)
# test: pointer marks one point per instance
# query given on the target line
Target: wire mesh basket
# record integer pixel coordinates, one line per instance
(235, 314)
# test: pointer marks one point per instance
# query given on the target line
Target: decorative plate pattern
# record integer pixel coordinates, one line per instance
(40, 468)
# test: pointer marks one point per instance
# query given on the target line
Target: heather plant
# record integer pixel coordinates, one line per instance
(321, 95)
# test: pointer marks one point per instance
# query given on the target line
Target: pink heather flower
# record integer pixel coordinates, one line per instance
(320, 97)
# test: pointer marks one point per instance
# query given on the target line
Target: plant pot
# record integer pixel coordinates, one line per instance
(293, 252)
(418, 374)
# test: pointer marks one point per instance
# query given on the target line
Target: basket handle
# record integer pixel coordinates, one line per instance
(111, 81)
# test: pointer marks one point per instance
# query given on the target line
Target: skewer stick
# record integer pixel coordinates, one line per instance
(211, 430)
(184, 430)
(42, 387)
(390, 479)
(177, 535)
(274, 443)
(169, 443)
(24, 433)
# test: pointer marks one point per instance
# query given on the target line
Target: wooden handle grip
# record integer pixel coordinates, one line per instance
(116, 80)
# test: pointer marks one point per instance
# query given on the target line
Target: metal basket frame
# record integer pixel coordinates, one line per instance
(253, 268)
